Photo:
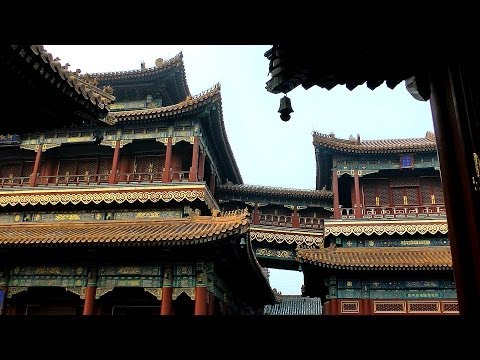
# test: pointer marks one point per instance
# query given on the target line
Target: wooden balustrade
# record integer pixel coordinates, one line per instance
(381, 212)
(14, 181)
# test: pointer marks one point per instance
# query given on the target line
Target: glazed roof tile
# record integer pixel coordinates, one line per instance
(380, 258)
(358, 146)
(269, 190)
(295, 305)
(189, 104)
(190, 230)
(81, 84)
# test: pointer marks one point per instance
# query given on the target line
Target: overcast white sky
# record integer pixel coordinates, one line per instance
(269, 151)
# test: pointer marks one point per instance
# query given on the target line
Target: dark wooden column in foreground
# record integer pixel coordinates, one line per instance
(455, 103)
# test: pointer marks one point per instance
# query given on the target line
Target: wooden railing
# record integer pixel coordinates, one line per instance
(275, 220)
(311, 223)
(93, 179)
(286, 221)
(347, 213)
(406, 211)
(85, 179)
(14, 181)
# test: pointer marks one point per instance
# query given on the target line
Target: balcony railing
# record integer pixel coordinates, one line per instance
(14, 181)
(93, 179)
(275, 220)
(402, 212)
(286, 221)
(85, 179)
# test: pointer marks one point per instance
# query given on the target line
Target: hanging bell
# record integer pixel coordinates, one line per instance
(285, 108)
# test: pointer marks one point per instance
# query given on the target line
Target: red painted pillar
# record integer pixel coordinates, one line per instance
(333, 308)
(192, 177)
(336, 200)
(295, 218)
(38, 160)
(168, 161)
(365, 307)
(358, 202)
(455, 102)
(116, 154)
(256, 215)
(211, 303)
(201, 300)
(212, 182)
(201, 166)
(89, 304)
(166, 308)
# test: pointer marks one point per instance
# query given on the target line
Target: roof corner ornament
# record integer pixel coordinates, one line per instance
(159, 62)
(285, 108)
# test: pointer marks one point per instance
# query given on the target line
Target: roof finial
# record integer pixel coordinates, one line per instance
(142, 65)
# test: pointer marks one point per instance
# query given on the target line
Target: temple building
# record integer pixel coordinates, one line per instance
(120, 195)
(386, 250)
(107, 185)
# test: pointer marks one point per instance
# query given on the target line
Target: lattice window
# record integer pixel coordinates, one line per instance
(375, 192)
(67, 167)
(87, 167)
(405, 182)
(104, 167)
(11, 170)
(424, 307)
(389, 307)
(349, 307)
(432, 186)
(405, 196)
(27, 168)
(147, 164)
(450, 307)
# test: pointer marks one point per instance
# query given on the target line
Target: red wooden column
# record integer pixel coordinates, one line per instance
(201, 300)
(36, 166)
(192, 177)
(167, 291)
(166, 308)
(168, 161)
(256, 215)
(295, 218)
(89, 304)
(336, 200)
(365, 307)
(333, 307)
(116, 155)
(358, 202)
(455, 100)
(201, 166)
(211, 303)
(212, 182)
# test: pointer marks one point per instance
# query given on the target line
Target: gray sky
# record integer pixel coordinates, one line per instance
(269, 151)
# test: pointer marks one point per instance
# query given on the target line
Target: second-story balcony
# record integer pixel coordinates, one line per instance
(395, 212)
(94, 179)
(287, 221)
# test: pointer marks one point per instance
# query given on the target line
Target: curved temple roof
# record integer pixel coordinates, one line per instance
(190, 230)
(270, 190)
(162, 69)
(358, 146)
(359, 258)
(215, 128)
(88, 89)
